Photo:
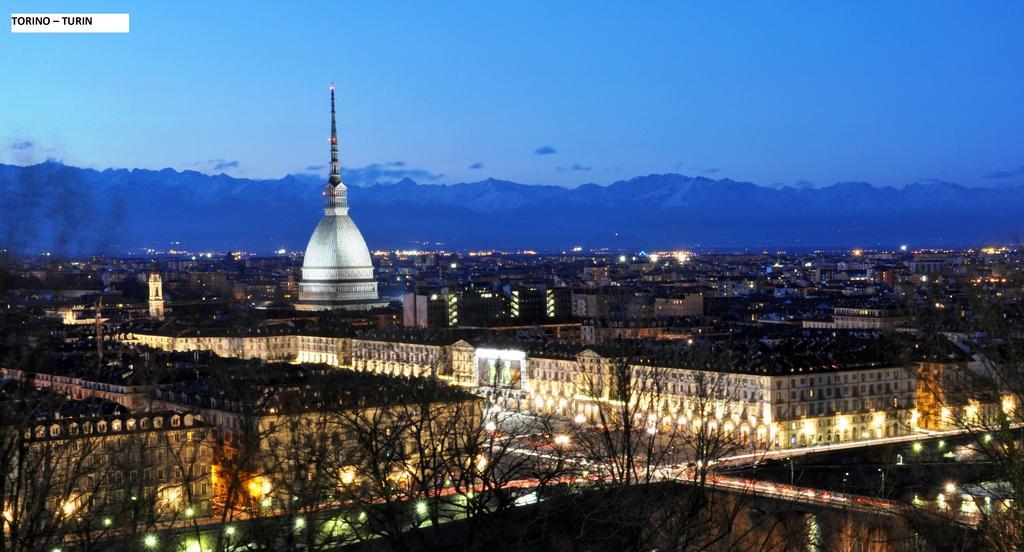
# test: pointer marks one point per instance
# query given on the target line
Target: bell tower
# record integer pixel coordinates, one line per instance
(156, 294)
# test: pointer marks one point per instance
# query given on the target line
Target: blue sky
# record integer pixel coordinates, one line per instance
(537, 92)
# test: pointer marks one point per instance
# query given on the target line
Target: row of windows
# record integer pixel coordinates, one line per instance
(102, 426)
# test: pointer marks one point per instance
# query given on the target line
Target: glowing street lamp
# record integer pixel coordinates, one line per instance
(150, 541)
(562, 440)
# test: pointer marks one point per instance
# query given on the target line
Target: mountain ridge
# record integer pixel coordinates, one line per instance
(55, 206)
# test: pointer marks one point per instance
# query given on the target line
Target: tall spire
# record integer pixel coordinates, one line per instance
(335, 178)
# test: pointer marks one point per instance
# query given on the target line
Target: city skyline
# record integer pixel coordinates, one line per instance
(674, 276)
(807, 96)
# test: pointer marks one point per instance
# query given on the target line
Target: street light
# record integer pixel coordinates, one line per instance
(562, 440)
(149, 541)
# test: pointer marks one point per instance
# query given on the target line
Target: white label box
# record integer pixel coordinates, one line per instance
(69, 22)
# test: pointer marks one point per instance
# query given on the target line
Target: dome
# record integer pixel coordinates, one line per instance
(337, 272)
(336, 243)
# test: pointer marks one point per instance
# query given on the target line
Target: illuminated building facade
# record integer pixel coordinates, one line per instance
(802, 404)
(156, 462)
(327, 406)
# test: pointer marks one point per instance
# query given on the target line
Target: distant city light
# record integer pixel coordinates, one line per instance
(454, 265)
(903, 247)
(858, 252)
(282, 251)
(577, 249)
(622, 258)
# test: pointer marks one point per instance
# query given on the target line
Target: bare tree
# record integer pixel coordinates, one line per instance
(983, 396)
(653, 452)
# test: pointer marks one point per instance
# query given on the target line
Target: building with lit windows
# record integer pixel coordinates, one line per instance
(790, 392)
(867, 318)
(153, 464)
(294, 404)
